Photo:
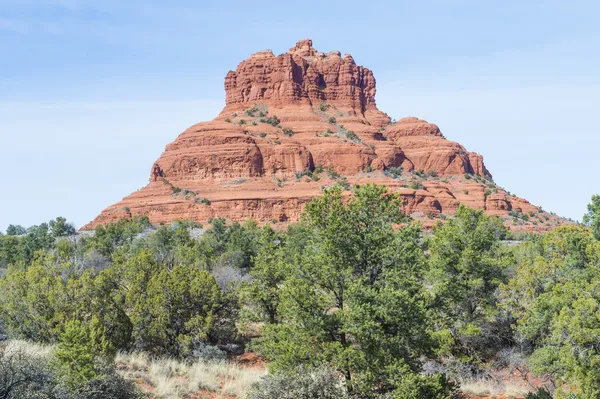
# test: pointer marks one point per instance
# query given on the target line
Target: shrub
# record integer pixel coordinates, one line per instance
(234, 115)
(17, 230)
(333, 174)
(343, 183)
(433, 173)
(541, 393)
(394, 172)
(288, 132)
(208, 353)
(254, 123)
(322, 383)
(277, 142)
(252, 111)
(23, 374)
(352, 136)
(324, 107)
(332, 120)
(278, 181)
(467, 176)
(242, 121)
(228, 120)
(27, 372)
(273, 121)
(416, 185)
(263, 135)
(312, 175)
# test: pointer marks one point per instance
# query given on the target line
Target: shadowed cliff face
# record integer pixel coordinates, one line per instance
(296, 123)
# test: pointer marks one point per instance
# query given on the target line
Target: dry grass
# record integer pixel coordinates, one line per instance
(29, 348)
(169, 378)
(495, 389)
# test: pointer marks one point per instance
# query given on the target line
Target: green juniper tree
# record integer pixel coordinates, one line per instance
(466, 267)
(353, 299)
(592, 217)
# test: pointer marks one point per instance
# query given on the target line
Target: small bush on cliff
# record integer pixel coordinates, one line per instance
(288, 132)
(273, 120)
(313, 175)
(203, 201)
(415, 185)
(333, 174)
(252, 111)
(332, 120)
(394, 172)
(352, 136)
(324, 107)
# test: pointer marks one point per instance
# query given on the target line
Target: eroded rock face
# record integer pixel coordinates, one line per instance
(302, 75)
(296, 123)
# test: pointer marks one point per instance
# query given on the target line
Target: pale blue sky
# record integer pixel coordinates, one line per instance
(92, 91)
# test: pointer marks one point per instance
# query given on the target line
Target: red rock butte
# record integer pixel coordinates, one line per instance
(302, 121)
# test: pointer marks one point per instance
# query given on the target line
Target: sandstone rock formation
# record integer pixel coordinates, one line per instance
(301, 121)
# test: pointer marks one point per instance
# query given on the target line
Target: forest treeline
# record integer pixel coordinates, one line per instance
(354, 295)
